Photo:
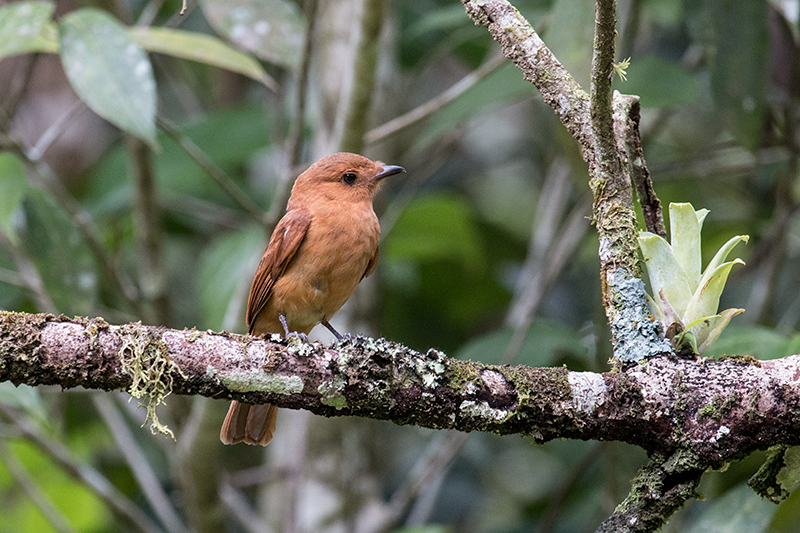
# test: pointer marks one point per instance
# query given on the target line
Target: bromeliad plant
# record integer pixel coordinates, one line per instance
(684, 299)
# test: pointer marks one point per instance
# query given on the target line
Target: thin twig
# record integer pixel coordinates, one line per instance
(295, 140)
(55, 130)
(29, 275)
(430, 107)
(196, 464)
(149, 13)
(29, 485)
(604, 144)
(435, 461)
(648, 199)
(241, 510)
(551, 204)
(520, 43)
(556, 501)
(12, 277)
(91, 478)
(432, 161)
(363, 83)
(147, 229)
(17, 91)
(563, 247)
(202, 210)
(211, 168)
(139, 465)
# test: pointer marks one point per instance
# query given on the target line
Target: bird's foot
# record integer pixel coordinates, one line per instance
(302, 337)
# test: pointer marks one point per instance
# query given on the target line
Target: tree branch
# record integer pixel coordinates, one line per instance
(522, 45)
(592, 121)
(660, 489)
(640, 175)
(360, 98)
(147, 229)
(719, 410)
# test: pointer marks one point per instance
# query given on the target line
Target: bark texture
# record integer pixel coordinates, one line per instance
(715, 410)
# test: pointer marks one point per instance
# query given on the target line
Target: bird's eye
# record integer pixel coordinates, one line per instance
(349, 178)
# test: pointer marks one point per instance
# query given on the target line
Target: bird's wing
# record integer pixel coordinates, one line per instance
(283, 244)
(373, 262)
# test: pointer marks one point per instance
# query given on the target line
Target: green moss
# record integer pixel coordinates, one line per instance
(708, 411)
(743, 359)
(461, 373)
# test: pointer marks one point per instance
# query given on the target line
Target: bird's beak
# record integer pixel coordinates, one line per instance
(388, 170)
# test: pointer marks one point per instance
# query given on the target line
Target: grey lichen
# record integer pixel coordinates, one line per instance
(637, 333)
(430, 367)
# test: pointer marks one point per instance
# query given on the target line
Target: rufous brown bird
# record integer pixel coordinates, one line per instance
(324, 245)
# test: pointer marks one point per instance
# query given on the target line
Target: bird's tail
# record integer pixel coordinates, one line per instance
(251, 424)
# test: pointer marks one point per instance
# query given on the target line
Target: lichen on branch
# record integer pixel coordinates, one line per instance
(661, 405)
(148, 363)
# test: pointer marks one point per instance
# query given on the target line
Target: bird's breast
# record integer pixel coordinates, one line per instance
(331, 261)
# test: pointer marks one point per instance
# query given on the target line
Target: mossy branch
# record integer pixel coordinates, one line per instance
(662, 487)
(657, 406)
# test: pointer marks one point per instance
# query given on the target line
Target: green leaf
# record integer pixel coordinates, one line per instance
(26, 27)
(272, 29)
(719, 258)
(715, 327)
(203, 48)
(684, 229)
(666, 275)
(705, 300)
(231, 137)
(109, 71)
(498, 89)
(760, 342)
(13, 184)
(51, 240)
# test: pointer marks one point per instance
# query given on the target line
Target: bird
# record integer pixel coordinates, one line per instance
(320, 250)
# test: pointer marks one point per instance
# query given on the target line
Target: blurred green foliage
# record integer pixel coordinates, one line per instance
(719, 108)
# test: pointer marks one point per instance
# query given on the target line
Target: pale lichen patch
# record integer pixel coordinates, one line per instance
(255, 380)
(333, 393)
(482, 411)
(588, 391)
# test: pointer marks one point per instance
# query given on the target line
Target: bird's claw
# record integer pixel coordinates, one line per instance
(302, 337)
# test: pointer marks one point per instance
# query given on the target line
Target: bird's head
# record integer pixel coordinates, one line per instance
(342, 177)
